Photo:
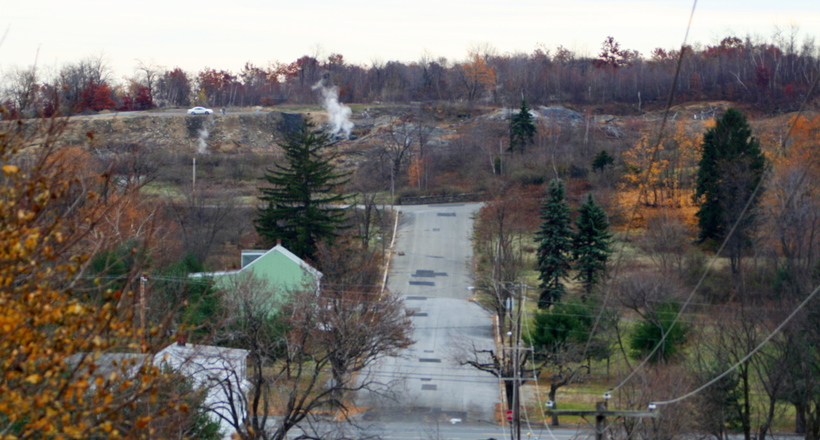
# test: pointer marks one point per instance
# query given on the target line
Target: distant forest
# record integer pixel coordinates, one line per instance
(771, 76)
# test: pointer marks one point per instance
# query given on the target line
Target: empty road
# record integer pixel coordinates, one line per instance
(431, 271)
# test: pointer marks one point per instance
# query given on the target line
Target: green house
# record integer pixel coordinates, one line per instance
(265, 277)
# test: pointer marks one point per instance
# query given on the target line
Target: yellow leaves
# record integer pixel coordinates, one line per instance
(55, 380)
(107, 427)
(10, 170)
(32, 240)
(24, 215)
(34, 379)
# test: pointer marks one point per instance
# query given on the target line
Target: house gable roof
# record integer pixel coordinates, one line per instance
(278, 267)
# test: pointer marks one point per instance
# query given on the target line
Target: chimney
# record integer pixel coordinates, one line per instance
(279, 242)
(181, 339)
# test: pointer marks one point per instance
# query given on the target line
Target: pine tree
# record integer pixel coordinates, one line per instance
(730, 168)
(591, 244)
(301, 207)
(522, 129)
(602, 160)
(555, 244)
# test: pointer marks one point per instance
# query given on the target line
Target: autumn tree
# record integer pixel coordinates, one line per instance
(95, 97)
(792, 208)
(554, 245)
(61, 323)
(729, 173)
(476, 76)
(612, 56)
(74, 77)
(301, 206)
(645, 168)
(591, 244)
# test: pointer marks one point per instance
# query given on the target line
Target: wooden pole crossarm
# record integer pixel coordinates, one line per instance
(601, 413)
(571, 412)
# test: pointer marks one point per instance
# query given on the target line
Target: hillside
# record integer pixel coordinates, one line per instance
(246, 132)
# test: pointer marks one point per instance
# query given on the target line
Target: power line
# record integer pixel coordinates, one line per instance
(653, 159)
(748, 356)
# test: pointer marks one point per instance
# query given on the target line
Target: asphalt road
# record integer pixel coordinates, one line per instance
(431, 271)
(440, 431)
(165, 113)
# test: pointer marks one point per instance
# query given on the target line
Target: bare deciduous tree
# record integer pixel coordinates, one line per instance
(20, 87)
(305, 347)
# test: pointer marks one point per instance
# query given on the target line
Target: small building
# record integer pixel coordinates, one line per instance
(220, 371)
(266, 276)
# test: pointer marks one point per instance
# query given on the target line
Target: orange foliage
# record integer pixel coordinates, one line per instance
(414, 171)
(792, 197)
(478, 75)
(663, 176)
(51, 335)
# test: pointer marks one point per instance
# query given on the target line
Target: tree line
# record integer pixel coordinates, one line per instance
(751, 203)
(774, 75)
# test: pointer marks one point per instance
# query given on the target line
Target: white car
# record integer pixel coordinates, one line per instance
(200, 111)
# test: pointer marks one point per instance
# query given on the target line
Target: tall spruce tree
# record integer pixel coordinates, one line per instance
(554, 245)
(591, 244)
(730, 168)
(302, 206)
(522, 129)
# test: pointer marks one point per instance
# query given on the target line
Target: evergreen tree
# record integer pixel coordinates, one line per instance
(649, 333)
(564, 327)
(554, 245)
(730, 168)
(522, 129)
(301, 207)
(602, 160)
(591, 247)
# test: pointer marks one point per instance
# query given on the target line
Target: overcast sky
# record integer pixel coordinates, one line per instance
(226, 34)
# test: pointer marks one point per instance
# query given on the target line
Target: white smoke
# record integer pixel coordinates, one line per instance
(338, 114)
(200, 142)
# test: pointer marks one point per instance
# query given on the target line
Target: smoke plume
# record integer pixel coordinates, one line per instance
(338, 113)
(200, 142)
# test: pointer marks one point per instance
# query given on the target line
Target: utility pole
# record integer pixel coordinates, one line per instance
(143, 279)
(515, 357)
(601, 412)
(193, 181)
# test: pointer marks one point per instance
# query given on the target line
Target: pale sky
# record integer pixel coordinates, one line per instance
(226, 34)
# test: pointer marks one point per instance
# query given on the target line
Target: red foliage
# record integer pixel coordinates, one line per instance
(96, 97)
(143, 100)
(612, 56)
(127, 103)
